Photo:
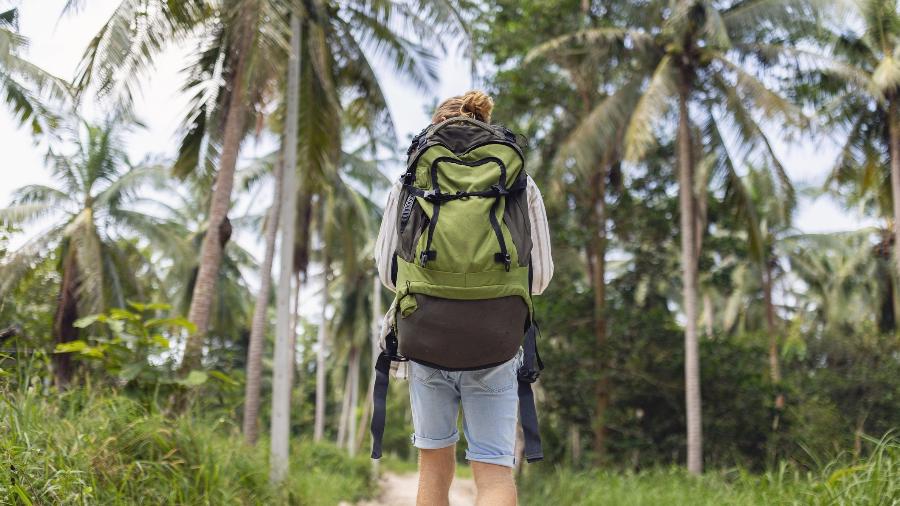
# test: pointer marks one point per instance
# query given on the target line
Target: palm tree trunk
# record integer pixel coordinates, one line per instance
(211, 250)
(774, 364)
(353, 380)
(283, 373)
(345, 409)
(689, 259)
(319, 424)
(894, 134)
(598, 274)
(64, 330)
(258, 325)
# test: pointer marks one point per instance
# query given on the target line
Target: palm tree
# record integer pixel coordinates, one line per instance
(90, 214)
(762, 209)
(124, 50)
(868, 108)
(26, 87)
(285, 331)
(593, 144)
(690, 60)
(184, 215)
(250, 425)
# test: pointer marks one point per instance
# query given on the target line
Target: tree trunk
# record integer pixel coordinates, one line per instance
(282, 377)
(64, 330)
(258, 325)
(598, 275)
(211, 250)
(894, 134)
(774, 365)
(345, 409)
(575, 445)
(319, 425)
(353, 374)
(689, 259)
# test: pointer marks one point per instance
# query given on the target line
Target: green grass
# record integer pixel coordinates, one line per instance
(80, 448)
(873, 481)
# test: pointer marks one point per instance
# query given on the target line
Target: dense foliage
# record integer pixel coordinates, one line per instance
(654, 128)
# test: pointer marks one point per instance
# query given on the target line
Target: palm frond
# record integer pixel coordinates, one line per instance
(656, 100)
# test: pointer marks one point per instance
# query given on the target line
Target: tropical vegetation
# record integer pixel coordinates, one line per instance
(197, 327)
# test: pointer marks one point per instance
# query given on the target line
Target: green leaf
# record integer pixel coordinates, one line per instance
(193, 379)
(89, 320)
(123, 314)
(155, 306)
(93, 351)
(70, 347)
(117, 326)
(224, 378)
(130, 371)
(159, 340)
(22, 495)
(177, 321)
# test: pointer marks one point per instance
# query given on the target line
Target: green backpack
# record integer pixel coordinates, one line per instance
(462, 266)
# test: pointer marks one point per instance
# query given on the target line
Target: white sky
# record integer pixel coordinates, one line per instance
(57, 44)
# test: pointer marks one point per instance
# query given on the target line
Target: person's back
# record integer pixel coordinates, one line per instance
(464, 278)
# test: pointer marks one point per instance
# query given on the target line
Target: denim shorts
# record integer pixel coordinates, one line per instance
(490, 403)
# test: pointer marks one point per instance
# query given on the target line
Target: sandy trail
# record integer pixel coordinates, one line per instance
(400, 490)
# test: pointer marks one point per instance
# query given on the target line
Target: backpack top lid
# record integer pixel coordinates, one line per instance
(460, 134)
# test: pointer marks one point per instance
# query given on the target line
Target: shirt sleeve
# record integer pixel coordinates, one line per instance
(386, 243)
(541, 259)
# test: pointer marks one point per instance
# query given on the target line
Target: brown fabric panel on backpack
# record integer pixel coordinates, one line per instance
(463, 334)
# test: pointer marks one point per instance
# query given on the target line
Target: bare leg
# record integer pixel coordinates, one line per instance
(436, 469)
(495, 484)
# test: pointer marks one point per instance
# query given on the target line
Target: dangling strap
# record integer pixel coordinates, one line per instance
(527, 375)
(379, 397)
(379, 393)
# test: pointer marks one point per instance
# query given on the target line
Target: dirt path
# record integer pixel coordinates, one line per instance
(400, 490)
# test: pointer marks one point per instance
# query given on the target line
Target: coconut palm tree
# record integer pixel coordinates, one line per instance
(25, 87)
(90, 215)
(184, 214)
(691, 61)
(761, 218)
(865, 103)
(591, 152)
(124, 50)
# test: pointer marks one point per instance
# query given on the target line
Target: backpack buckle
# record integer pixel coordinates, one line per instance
(426, 255)
(391, 346)
(528, 376)
(508, 134)
(503, 258)
(499, 189)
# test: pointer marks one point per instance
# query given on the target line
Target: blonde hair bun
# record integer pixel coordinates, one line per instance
(473, 104)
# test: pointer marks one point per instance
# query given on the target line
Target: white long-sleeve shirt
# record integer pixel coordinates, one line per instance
(541, 260)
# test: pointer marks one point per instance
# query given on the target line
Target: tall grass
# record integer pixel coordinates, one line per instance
(91, 448)
(874, 480)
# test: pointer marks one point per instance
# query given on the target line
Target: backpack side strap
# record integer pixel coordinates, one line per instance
(528, 374)
(379, 393)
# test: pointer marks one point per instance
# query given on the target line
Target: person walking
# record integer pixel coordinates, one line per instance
(464, 243)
